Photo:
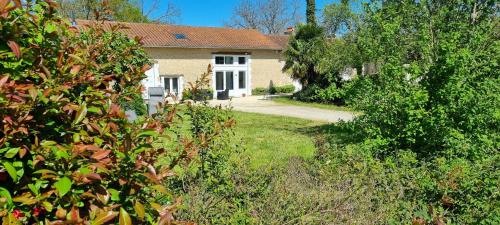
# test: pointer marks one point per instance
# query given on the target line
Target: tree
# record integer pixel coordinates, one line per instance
(437, 91)
(170, 14)
(304, 50)
(339, 19)
(268, 16)
(311, 11)
(121, 10)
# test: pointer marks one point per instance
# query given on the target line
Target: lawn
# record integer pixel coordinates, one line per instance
(274, 139)
(289, 101)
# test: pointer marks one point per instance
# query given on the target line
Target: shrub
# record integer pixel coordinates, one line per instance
(135, 103)
(314, 93)
(202, 95)
(260, 91)
(431, 113)
(200, 90)
(68, 155)
(285, 89)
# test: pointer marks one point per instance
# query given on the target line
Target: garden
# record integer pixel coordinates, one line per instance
(424, 148)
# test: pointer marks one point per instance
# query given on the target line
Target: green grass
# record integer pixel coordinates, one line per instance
(270, 140)
(289, 101)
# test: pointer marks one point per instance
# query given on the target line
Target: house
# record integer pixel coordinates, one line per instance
(241, 59)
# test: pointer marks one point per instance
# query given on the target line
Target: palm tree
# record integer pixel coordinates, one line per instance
(303, 53)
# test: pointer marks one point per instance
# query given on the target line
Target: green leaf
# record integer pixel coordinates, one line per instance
(115, 195)
(10, 170)
(6, 194)
(10, 219)
(148, 133)
(81, 113)
(33, 189)
(63, 186)
(11, 153)
(104, 217)
(139, 210)
(48, 206)
(94, 109)
(48, 143)
(124, 217)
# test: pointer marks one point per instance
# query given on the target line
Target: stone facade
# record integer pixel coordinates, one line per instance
(190, 63)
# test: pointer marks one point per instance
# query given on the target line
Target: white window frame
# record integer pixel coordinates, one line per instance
(235, 68)
(180, 84)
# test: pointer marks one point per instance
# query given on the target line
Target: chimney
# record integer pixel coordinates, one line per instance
(289, 30)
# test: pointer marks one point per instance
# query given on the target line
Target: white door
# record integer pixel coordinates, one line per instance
(233, 80)
(232, 72)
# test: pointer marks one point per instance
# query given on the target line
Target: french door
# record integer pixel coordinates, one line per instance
(234, 81)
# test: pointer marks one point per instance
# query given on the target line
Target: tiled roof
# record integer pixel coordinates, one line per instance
(163, 35)
(281, 40)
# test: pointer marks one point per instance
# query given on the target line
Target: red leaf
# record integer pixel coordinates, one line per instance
(3, 80)
(100, 154)
(93, 176)
(3, 3)
(15, 48)
(122, 181)
(75, 69)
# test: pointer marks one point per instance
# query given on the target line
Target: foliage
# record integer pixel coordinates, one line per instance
(122, 10)
(314, 93)
(437, 92)
(135, 103)
(338, 19)
(68, 154)
(304, 50)
(200, 90)
(431, 113)
(260, 91)
(311, 12)
(285, 89)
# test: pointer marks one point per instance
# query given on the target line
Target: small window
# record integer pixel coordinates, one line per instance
(180, 36)
(171, 85)
(242, 60)
(229, 60)
(219, 60)
(242, 80)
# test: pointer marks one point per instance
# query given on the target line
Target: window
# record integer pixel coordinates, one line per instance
(228, 60)
(180, 36)
(175, 85)
(229, 80)
(171, 85)
(219, 81)
(219, 60)
(167, 84)
(242, 60)
(242, 80)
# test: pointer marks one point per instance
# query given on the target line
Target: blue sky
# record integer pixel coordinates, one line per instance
(214, 12)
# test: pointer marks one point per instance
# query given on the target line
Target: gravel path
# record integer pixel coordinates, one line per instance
(256, 104)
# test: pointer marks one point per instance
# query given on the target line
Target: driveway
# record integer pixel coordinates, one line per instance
(257, 104)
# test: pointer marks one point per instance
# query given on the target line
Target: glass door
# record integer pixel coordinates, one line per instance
(224, 80)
